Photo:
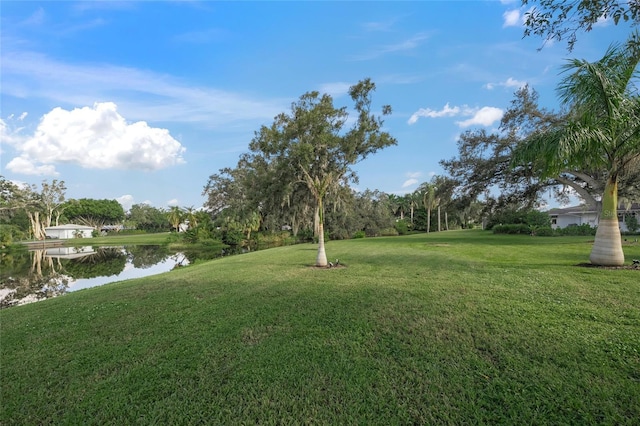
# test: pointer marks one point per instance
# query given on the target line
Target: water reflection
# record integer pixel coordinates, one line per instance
(40, 274)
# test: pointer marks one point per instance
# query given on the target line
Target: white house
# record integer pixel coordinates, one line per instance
(65, 232)
(579, 215)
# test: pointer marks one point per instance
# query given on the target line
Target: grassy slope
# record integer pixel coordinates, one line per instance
(450, 328)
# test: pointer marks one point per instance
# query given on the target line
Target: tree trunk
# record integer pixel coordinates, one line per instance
(294, 226)
(446, 221)
(607, 247)
(316, 222)
(321, 259)
(428, 220)
(37, 228)
(439, 227)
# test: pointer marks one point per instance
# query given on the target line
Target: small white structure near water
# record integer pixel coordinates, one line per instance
(69, 231)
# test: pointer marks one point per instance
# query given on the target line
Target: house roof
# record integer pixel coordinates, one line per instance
(583, 209)
(67, 226)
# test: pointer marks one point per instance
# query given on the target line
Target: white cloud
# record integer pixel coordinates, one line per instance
(9, 133)
(402, 46)
(173, 202)
(509, 83)
(512, 18)
(485, 116)
(410, 182)
(142, 95)
(379, 25)
(446, 111)
(412, 179)
(335, 89)
(603, 22)
(37, 18)
(512, 82)
(126, 201)
(96, 138)
(25, 166)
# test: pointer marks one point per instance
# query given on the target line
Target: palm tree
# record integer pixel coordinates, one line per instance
(602, 133)
(394, 203)
(175, 217)
(252, 223)
(429, 200)
(413, 199)
(190, 216)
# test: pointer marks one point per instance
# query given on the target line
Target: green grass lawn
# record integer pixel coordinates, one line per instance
(459, 327)
(117, 240)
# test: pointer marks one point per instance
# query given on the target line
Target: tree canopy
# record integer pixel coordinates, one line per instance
(93, 212)
(563, 20)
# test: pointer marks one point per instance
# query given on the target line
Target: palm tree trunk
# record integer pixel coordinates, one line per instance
(321, 259)
(428, 219)
(607, 247)
(316, 222)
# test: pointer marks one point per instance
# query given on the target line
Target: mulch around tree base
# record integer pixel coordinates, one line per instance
(591, 265)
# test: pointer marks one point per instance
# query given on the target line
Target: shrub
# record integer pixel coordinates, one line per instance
(545, 231)
(402, 227)
(269, 239)
(538, 218)
(232, 237)
(527, 217)
(9, 234)
(577, 230)
(359, 234)
(632, 223)
(519, 228)
(305, 235)
(338, 234)
(389, 232)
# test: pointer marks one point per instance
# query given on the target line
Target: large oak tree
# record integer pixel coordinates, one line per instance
(312, 145)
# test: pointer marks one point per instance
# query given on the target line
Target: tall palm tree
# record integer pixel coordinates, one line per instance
(411, 202)
(602, 133)
(429, 200)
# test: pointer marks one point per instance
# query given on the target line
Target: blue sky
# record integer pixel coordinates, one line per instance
(142, 101)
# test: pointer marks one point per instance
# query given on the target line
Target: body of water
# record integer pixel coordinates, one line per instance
(29, 276)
